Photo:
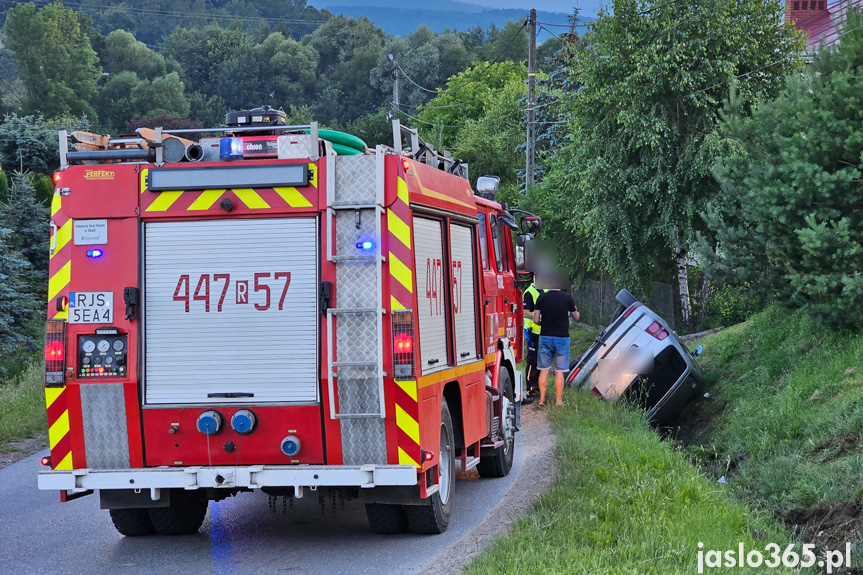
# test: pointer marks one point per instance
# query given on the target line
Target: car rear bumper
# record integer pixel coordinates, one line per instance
(248, 477)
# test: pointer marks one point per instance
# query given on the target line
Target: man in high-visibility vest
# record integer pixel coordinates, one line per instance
(531, 340)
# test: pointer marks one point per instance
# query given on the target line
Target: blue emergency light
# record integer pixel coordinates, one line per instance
(365, 245)
(95, 253)
(231, 149)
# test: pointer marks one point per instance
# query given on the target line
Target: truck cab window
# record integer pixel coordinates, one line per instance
(483, 239)
(495, 238)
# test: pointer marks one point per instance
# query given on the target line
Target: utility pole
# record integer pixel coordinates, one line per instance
(395, 68)
(531, 101)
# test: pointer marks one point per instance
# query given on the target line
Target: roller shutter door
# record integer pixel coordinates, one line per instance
(431, 294)
(463, 293)
(230, 311)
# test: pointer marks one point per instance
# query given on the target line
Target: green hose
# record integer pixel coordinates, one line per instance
(344, 144)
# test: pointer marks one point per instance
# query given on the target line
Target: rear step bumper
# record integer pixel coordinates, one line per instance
(251, 477)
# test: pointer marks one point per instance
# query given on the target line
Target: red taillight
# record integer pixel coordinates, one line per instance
(46, 460)
(55, 352)
(428, 455)
(56, 177)
(657, 331)
(575, 372)
(629, 311)
(403, 343)
(406, 165)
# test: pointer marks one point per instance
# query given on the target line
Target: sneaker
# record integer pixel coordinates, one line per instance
(526, 400)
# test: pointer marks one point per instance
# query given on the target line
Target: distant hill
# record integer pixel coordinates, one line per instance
(401, 17)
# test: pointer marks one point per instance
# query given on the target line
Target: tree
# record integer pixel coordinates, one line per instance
(27, 218)
(490, 143)
(123, 53)
(789, 219)
(56, 62)
(466, 97)
(16, 306)
(636, 165)
(28, 144)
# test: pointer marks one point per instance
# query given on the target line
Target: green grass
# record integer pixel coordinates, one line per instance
(788, 403)
(623, 502)
(22, 405)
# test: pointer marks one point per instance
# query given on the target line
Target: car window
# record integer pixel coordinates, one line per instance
(483, 240)
(650, 388)
(495, 238)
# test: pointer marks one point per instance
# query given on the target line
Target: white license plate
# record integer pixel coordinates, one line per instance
(91, 307)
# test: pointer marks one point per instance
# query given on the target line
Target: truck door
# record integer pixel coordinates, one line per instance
(432, 298)
(464, 293)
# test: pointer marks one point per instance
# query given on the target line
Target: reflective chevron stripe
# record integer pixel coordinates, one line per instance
(407, 421)
(58, 427)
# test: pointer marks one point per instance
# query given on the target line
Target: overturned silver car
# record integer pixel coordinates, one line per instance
(638, 357)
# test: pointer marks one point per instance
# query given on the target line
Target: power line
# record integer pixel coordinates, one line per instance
(542, 27)
(429, 123)
(477, 77)
(585, 25)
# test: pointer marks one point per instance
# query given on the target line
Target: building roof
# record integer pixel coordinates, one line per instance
(824, 28)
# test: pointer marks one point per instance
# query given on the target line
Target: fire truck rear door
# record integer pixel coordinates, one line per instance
(230, 311)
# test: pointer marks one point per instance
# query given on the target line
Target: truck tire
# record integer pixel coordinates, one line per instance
(433, 518)
(500, 463)
(386, 519)
(132, 522)
(184, 516)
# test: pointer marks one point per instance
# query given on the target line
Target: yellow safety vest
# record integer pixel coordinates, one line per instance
(528, 323)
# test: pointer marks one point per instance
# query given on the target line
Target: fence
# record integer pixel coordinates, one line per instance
(596, 303)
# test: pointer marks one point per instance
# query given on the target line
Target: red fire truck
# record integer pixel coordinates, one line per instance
(302, 317)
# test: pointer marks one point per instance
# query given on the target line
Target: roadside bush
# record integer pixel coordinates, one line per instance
(730, 305)
(4, 188)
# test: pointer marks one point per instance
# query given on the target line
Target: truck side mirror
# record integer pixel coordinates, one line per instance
(531, 225)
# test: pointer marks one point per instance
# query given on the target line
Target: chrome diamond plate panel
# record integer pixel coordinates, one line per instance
(364, 441)
(355, 180)
(358, 390)
(106, 440)
(295, 146)
(357, 335)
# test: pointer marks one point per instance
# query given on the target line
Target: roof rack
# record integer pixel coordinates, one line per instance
(423, 151)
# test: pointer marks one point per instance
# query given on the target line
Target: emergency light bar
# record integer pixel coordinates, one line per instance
(211, 178)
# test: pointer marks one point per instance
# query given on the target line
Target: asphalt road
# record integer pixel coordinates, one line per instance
(38, 534)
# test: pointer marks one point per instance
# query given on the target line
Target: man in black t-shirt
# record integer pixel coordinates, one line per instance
(552, 311)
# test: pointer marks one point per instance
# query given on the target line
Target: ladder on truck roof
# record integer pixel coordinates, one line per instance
(355, 209)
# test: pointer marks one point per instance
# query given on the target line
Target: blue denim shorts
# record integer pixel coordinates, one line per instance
(556, 348)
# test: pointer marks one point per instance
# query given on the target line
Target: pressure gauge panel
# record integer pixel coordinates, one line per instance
(102, 354)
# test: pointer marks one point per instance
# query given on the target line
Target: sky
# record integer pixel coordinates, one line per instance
(588, 7)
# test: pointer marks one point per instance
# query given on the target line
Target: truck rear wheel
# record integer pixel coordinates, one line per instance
(434, 517)
(184, 516)
(499, 463)
(386, 519)
(132, 522)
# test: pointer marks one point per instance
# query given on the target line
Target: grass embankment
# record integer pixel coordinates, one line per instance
(623, 501)
(22, 405)
(785, 421)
